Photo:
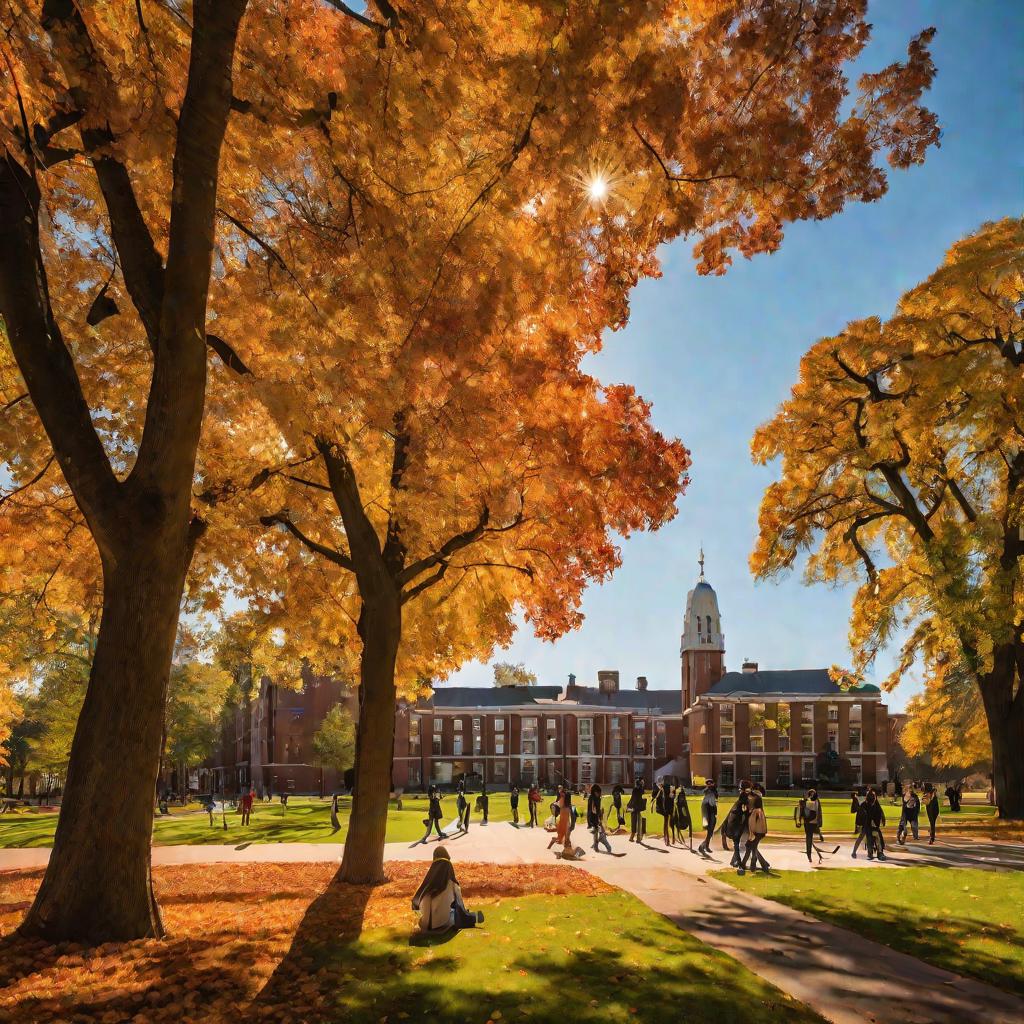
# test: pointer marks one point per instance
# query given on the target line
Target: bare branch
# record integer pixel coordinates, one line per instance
(283, 519)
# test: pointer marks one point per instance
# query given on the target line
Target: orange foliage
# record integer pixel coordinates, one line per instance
(238, 934)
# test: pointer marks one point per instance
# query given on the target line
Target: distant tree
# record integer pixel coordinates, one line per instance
(902, 449)
(196, 694)
(335, 740)
(946, 723)
(507, 674)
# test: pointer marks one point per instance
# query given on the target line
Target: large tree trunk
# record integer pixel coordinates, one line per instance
(97, 886)
(380, 628)
(1004, 710)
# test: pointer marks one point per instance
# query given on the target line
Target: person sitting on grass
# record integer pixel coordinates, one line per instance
(439, 898)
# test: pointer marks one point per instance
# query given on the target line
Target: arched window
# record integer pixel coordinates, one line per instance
(709, 625)
(697, 617)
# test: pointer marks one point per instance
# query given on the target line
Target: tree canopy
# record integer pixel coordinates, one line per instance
(902, 449)
(508, 674)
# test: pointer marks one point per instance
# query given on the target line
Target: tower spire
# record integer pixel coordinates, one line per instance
(700, 562)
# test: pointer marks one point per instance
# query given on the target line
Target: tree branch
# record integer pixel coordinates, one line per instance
(682, 178)
(332, 555)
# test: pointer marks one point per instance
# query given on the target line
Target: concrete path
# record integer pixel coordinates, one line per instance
(845, 978)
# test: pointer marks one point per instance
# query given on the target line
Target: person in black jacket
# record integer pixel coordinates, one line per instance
(636, 806)
(681, 821)
(433, 818)
(734, 829)
(870, 819)
(462, 807)
(484, 802)
(708, 816)
(663, 805)
(513, 802)
(617, 792)
(931, 808)
(810, 814)
(909, 815)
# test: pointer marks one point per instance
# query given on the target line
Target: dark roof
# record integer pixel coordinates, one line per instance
(668, 701)
(811, 681)
(451, 697)
(490, 696)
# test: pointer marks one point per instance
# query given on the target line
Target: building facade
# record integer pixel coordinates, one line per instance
(779, 728)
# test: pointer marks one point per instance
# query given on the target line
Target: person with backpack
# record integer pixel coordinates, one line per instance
(757, 829)
(513, 802)
(870, 820)
(810, 814)
(931, 808)
(734, 828)
(681, 821)
(636, 807)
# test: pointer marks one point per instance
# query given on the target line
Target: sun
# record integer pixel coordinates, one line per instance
(597, 187)
(600, 183)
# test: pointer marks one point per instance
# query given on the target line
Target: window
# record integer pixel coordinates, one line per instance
(757, 727)
(414, 735)
(457, 725)
(414, 774)
(757, 744)
(586, 771)
(757, 770)
(478, 769)
(856, 771)
(833, 713)
(807, 768)
(699, 631)
(554, 775)
(441, 772)
(854, 744)
(528, 772)
(438, 725)
(725, 712)
(457, 742)
(807, 731)
(833, 736)
(709, 628)
(660, 739)
(639, 737)
(726, 744)
(499, 743)
(499, 771)
(727, 775)
(551, 737)
(783, 723)
(638, 769)
(614, 771)
(615, 739)
(552, 725)
(529, 735)
(784, 775)
(586, 729)
(478, 739)
(499, 725)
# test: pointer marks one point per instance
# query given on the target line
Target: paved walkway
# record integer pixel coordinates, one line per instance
(845, 978)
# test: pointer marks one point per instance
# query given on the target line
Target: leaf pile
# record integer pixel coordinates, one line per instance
(237, 934)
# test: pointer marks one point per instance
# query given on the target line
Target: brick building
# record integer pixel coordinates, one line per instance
(780, 728)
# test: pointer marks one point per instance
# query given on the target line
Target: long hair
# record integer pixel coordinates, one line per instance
(438, 875)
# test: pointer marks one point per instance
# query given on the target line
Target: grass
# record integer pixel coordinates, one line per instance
(279, 942)
(965, 920)
(307, 820)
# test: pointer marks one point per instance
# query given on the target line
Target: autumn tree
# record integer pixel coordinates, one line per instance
(946, 723)
(440, 439)
(400, 188)
(508, 674)
(334, 743)
(902, 450)
(195, 699)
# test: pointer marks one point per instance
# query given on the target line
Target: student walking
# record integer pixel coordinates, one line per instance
(636, 807)
(513, 802)
(484, 802)
(617, 792)
(601, 833)
(681, 821)
(533, 799)
(734, 829)
(909, 815)
(757, 827)
(810, 814)
(462, 808)
(563, 816)
(931, 808)
(708, 816)
(870, 820)
(433, 818)
(593, 807)
(663, 805)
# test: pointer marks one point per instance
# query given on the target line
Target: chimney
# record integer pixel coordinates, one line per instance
(572, 680)
(608, 680)
(750, 666)
(641, 682)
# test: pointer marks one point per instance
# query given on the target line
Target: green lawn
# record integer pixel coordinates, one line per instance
(585, 959)
(965, 920)
(308, 820)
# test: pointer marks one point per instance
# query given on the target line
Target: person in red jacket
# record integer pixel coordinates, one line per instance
(245, 804)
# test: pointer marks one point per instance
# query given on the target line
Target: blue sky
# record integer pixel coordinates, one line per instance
(717, 355)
